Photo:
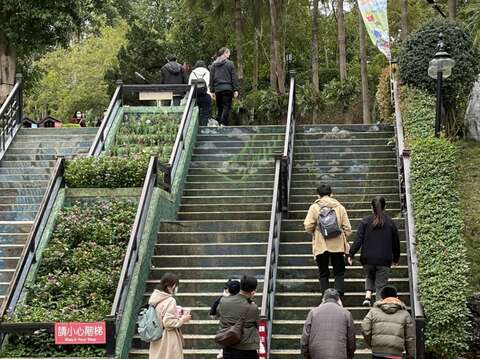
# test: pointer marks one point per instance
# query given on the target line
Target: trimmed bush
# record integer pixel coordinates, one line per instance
(443, 267)
(420, 47)
(106, 172)
(78, 276)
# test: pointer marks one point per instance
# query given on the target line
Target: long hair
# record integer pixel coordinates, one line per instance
(378, 207)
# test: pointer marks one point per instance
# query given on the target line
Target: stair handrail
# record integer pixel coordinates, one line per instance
(131, 255)
(99, 142)
(11, 114)
(179, 145)
(280, 201)
(403, 154)
(31, 245)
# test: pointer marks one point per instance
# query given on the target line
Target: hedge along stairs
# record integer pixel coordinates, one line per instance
(358, 163)
(222, 226)
(24, 174)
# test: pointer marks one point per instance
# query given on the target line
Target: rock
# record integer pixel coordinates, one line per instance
(472, 115)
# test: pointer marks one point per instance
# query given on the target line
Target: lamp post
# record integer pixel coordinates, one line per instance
(440, 68)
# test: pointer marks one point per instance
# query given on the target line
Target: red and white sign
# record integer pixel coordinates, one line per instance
(80, 333)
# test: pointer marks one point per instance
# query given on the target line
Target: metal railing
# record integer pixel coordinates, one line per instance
(11, 115)
(29, 253)
(131, 255)
(179, 145)
(404, 163)
(281, 192)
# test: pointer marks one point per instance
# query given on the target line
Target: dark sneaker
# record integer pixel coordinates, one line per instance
(367, 302)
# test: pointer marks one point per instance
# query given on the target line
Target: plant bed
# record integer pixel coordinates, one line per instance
(77, 276)
(148, 134)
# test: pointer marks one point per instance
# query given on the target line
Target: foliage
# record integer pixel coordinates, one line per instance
(146, 134)
(72, 78)
(442, 266)
(469, 171)
(383, 97)
(106, 172)
(421, 46)
(78, 275)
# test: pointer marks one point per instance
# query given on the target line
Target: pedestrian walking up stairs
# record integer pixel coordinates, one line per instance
(222, 226)
(25, 170)
(359, 164)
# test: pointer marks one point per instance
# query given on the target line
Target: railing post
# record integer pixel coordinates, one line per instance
(19, 79)
(110, 335)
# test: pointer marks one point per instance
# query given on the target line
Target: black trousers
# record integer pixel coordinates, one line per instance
(224, 106)
(230, 353)
(338, 264)
(204, 103)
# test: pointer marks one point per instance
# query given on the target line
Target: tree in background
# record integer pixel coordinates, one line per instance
(73, 79)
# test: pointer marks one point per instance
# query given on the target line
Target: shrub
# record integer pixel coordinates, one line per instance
(417, 51)
(383, 97)
(78, 276)
(442, 266)
(106, 172)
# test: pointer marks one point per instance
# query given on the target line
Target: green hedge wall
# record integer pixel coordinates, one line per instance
(106, 172)
(443, 267)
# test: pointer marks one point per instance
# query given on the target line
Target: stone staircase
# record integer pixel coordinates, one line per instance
(359, 164)
(24, 174)
(222, 227)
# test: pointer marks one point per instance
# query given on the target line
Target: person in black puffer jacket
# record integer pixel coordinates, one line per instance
(224, 84)
(377, 236)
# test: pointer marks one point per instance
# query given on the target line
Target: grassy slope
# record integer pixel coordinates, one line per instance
(469, 171)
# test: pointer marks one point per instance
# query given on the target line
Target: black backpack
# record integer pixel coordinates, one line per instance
(201, 84)
(327, 223)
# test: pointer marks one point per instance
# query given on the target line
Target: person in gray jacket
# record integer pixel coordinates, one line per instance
(329, 331)
(231, 309)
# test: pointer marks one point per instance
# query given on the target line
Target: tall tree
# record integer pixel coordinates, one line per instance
(315, 79)
(404, 19)
(342, 47)
(276, 12)
(364, 70)
(452, 9)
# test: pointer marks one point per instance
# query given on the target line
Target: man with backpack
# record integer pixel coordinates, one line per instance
(224, 83)
(328, 222)
(200, 77)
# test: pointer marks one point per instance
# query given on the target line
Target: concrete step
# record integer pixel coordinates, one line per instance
(15, 227)
(21, 164)
(24, 184)
(20, 200)
(17, 216)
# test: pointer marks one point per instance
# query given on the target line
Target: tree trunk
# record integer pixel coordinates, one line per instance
(364, 70)
(238, 38)
(315, 79)
(452, 9)
(404, 19)
(256, 40)
(277, 51)
(8, 57)
(341, 41)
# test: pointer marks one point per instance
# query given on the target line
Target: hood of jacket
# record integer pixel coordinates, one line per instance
(390, 305)
(173, 67)
(327, 201)
(158, 297)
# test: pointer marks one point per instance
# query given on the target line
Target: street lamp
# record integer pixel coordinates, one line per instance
(440, 68)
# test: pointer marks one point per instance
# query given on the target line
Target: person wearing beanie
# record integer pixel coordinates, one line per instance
(388, 328)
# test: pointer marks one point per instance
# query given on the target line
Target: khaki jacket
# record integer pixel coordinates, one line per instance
(333, 245)
(170, 346)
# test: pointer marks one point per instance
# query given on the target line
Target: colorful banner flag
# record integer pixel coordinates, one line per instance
(374, 13)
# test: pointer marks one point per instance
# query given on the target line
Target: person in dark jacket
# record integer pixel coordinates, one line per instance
(388, 327)
(231, 309)
(224, 84)
(329, 331)
(173, 74)
(377, 236)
